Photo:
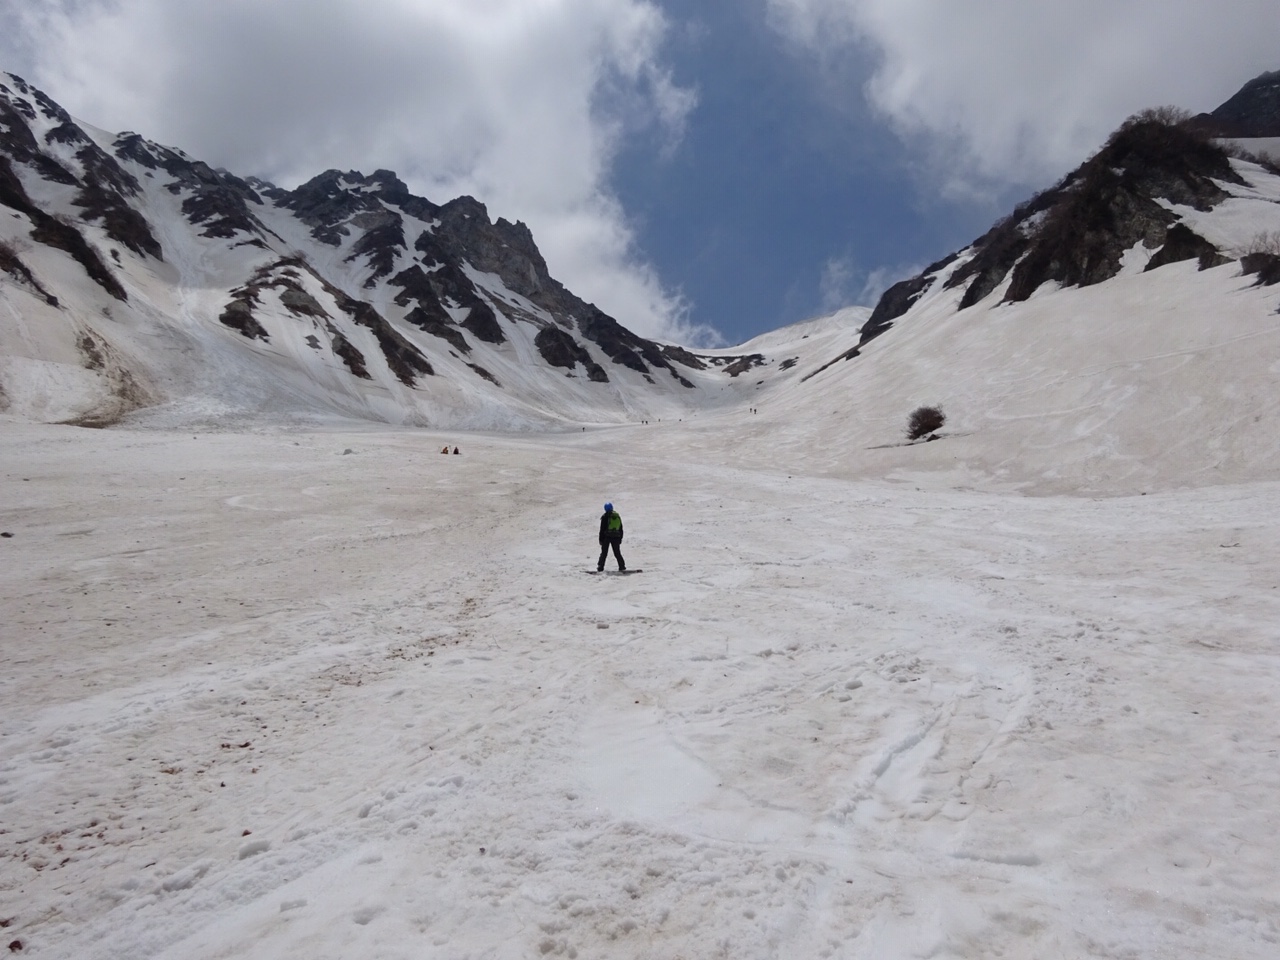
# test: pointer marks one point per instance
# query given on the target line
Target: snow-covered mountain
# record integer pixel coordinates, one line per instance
(1115, 331)
(133, 276)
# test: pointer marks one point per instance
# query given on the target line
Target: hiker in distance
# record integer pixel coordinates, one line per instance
(611, 536)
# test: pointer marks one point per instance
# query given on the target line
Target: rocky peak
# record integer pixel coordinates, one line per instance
(1253, 112)
(433, 306)
(327, 201)
(18, 135)
(38, 134)
(501, 248)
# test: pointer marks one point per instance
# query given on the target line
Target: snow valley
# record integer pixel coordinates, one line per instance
(324, 693)
(281, 680)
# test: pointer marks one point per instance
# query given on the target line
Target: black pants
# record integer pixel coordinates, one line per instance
(617, 553)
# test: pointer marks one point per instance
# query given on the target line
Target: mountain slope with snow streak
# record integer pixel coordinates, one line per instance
(135, 277)
(1156, 374)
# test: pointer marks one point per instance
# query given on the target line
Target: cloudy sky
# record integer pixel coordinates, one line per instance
(700, 170)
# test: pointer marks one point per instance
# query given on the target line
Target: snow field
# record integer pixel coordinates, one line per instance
(266, 698)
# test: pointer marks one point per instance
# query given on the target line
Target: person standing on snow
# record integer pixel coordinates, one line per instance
(611, 536)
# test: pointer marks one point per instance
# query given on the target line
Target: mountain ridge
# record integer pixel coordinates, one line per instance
(1115, 332)
(392, 289)
(1076, 232)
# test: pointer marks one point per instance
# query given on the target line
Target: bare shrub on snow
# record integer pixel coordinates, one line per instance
(925, 421)
(1266, 242)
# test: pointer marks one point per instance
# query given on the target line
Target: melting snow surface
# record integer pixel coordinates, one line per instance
(327, 693)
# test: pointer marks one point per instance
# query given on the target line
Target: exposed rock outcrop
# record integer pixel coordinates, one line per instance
(1254, 111)
(900, 298)
(1077, 232)
(559, 349)
(1183, 243)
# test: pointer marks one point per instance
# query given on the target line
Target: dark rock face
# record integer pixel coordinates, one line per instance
(12, 264)
(300, 303)
(847, 355)
(483, 322)
(1110, 204)
(999, 249)
(684, 357)
(105, 194)
(900, 298)
(482, 372)
(446, 282)
(559, 349)
(217, 200)
(221, 206)
(438, 324)
(381, 244)
(501, 248)
(744, 364)
(18, 141)
(105, 188)
(1253, 112)
(285, 276)
(622, 346)
(618, 343)
(1077, 232)
(325, 204)
(349, 355)
(1183, 243)
(403, 358)
(63, 236)
(238, 315)
(507, 250)
(1081, 242)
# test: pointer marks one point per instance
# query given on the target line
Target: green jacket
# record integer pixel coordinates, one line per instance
(610, 527)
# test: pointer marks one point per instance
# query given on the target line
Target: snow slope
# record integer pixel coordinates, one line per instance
(276, 683)
(1150, 380)
(330, 693)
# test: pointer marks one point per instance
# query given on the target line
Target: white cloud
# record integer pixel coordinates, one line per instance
(1021, 90)
(882, 278)
(842, 282)
(520, 103)
(835, 283)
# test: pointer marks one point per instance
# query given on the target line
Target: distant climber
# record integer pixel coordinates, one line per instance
(445, 448)
(456, 450)
(611, 536)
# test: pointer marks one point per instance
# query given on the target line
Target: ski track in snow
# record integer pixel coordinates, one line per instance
(264, 698)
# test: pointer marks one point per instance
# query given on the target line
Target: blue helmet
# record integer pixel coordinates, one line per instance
(608, 508)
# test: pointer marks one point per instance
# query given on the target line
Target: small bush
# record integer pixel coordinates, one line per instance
(1267, 242)
(1168, 116)
(925, 421)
